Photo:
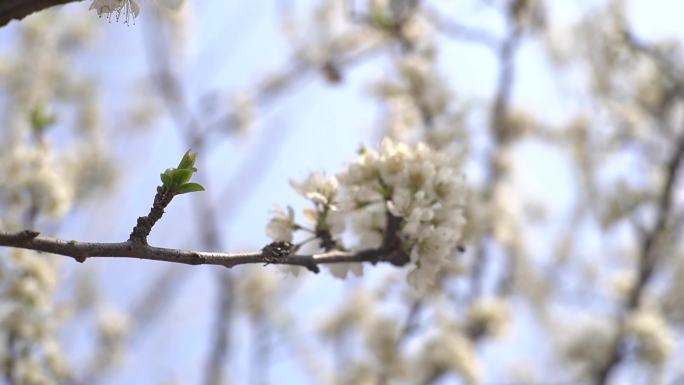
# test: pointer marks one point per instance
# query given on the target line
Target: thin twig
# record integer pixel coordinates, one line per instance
(80, 251)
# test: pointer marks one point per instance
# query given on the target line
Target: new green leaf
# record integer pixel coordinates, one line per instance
(189, 187)
(180, 176)
(188, 161)
(166, 178)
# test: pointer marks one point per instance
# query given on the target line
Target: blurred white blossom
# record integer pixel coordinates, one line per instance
(33, 177)
(655, 341)
(282, 225)
(488, 316)
(587, 344)
(258, 292)
(451, 351)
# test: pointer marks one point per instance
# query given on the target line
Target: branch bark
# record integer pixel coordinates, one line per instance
(18, 9)
(80, 251)
(144, 224)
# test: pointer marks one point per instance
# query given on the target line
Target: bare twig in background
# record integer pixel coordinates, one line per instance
(461, 32)
(220, 340)
(152, 303)
(648, 257)
(648, 254)
(498, 128)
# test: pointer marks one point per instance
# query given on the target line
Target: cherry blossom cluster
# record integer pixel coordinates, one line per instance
(414, 193)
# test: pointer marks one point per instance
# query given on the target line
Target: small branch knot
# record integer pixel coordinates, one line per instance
(327, 242)
(398, 257)
(27, 235)
(278, 249)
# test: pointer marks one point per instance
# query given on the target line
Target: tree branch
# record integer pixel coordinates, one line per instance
(18, 9)
(648, 255)
(80, 251)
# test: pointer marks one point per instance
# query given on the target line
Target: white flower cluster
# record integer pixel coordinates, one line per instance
(419, 189)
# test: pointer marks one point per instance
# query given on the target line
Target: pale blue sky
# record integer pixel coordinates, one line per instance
(234, 43)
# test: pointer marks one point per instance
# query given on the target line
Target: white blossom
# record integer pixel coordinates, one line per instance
(317, 188)
(655, 340)
(124, 8)
(281, 226)
(336, 222)
(368, 225)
